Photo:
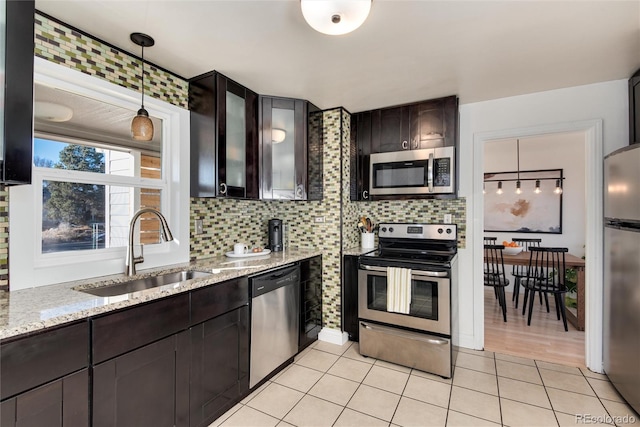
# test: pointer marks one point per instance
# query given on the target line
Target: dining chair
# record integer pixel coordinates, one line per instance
(494, 275)
(546, 275)
(520, 271)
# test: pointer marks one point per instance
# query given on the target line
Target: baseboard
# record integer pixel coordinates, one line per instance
(333, 336)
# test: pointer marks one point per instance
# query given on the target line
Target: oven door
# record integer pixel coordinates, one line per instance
(430, 307)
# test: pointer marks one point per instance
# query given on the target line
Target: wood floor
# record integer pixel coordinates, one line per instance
(544, 340)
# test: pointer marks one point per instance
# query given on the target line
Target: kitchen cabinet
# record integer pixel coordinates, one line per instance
(44, 378)
(310, 301)
(16, 90)
(350, 296)
(224, 138)
(141, 364)
(291, 149)
(634, 108)
(145, 387)
(426, 124)
(359, 151)
(219, 349)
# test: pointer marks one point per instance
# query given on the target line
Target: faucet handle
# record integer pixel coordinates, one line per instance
(139, 259)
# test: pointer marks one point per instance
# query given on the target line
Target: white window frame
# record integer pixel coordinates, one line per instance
(28, 267)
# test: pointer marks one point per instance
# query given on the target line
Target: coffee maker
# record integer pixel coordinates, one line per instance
(276, 235)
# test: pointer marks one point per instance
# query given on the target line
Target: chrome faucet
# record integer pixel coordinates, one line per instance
(131, 259)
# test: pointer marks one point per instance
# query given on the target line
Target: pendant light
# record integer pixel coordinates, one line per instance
(141, 125)
(537, 190)
(335, 17)
(499, 190)
(558, 189)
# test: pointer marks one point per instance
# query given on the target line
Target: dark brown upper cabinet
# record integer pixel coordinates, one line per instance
(291, 149)
(426, 124)
(16, 89)
(634, 108)
(224, 138)
(360, 149)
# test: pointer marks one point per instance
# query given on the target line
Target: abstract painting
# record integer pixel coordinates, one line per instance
(528, 212)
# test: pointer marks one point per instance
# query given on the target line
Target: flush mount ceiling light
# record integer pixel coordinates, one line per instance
(335, 17)
(278, 135)
(141, 125)
(52, 112)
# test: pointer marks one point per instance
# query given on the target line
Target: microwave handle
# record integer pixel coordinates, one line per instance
(430, 173)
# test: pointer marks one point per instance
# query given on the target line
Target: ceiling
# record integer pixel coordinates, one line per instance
(405, 51)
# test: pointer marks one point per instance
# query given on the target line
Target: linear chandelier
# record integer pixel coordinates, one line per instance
(518, 180)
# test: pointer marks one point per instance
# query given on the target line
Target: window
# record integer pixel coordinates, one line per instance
(73, 220)
(84, 211)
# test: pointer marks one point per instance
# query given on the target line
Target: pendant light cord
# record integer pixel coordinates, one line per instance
(143, 76)
(518, 155)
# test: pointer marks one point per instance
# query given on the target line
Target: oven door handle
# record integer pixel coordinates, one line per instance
(398, 332)
(413, 272)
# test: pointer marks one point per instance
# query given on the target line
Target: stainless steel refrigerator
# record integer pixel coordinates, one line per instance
(622, 272)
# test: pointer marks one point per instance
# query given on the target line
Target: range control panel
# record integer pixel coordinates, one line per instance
(418, 231)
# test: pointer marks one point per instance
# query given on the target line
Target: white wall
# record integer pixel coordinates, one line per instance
(607, 101)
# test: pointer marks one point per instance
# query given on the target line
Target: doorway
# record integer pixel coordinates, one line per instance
(556, 218)
(592, 130)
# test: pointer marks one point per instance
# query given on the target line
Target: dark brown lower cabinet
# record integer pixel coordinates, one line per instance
(145, 387)
(64, 403)
(350, 296)
(219, 365)
(310, 301)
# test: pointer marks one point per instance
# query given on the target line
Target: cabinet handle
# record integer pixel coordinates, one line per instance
(405, 145)
(365, 194)
(223, 188)
(299, 192)
(415, 145)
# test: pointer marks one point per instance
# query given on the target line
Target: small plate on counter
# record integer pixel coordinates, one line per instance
(248, 254)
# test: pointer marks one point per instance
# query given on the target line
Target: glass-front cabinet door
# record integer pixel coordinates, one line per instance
(237, 119)
(291, 143)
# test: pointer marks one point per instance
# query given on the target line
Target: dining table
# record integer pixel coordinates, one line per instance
(571, 261)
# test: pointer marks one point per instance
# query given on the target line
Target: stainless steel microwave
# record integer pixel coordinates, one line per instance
(427, 171)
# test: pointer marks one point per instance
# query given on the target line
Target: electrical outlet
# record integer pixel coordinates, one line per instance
(447, 218)
(319, 219)
(198, 226)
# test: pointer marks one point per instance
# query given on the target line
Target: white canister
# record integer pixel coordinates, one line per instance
(368, 240)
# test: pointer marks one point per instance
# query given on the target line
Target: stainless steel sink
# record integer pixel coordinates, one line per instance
(136, 285)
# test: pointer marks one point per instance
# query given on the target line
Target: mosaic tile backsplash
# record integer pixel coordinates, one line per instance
(226, 220)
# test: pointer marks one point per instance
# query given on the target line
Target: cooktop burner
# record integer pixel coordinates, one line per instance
(417, 246)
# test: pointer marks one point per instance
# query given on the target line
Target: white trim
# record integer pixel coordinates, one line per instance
(333, 336)
(175, 162)
(594, 228)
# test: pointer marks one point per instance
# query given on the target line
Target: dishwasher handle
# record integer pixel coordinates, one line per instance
(261, 284)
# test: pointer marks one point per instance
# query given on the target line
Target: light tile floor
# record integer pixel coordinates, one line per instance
(331, 385)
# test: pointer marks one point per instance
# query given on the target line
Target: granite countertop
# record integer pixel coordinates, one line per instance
(357, 250)
(30, 310)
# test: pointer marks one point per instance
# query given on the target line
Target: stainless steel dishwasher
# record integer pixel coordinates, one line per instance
(274, 320)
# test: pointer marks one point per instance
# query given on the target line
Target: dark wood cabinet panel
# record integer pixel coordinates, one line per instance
(634, 108)
(60, 403)
(212, 301)
(219, 169)
(390, 129)
(17, 92)
(310, 301)
(117, 333)
(359, 151)
(291, 149)
(145, 387)
(31, 361)
(219, 365)
(350, 296)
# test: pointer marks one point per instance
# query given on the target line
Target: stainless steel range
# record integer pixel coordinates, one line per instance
(404, 296)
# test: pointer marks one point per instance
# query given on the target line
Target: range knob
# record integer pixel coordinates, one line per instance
(384, 229)
(390, 229)
(440, 231)
(448, 231)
